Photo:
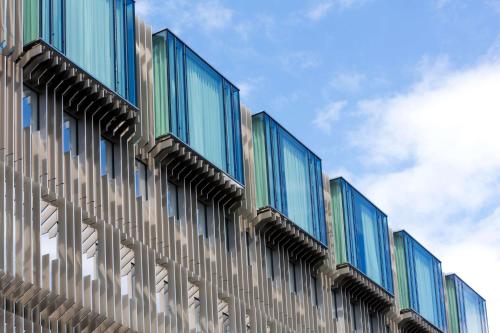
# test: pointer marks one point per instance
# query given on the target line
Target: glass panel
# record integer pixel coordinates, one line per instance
(31, 20)
(269, 263)
(288, 176)
(425, 285)
(172, 200)
(160, 85)
(196, 104)
(141, 181)
(107, 158)
(70, 135)
(121, 43)
(130, 65)
(298, 187)
(361, 233)
(292, 276)
(467, 308)
(206, 113)
(201, 218)
(259, 148)
(97, 35)
(420, 280)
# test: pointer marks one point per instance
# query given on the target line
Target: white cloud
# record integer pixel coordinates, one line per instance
(347, 81)
(436, 154)
(322, 8)
(206, 15)
(291, 61)
(327, 117)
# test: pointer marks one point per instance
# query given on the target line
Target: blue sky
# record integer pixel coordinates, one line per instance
(400, 97)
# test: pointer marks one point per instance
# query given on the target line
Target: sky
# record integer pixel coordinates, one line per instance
(402, 98)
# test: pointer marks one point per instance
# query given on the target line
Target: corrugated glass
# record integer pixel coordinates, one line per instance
(98, 35)
(361, 233)
(467, 309)
(196, 104)
(420, 280)
(288, 176)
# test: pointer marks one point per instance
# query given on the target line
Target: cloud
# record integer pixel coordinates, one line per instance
(347, 81)
(248, 86)
(433, 155)
(291, 61)
(326, 117)
(320, 10)
(323, 8)
(205, 15)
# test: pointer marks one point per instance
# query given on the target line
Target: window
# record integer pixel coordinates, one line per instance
(107, 158)
(314, 291)
(30, 107)
(354, 316)
(292, 276)
(172, 200)
(141, 180)
(269, 263)
(373, 323)
(201, 219)
(70, 135)
(335, 304)
(229, 234)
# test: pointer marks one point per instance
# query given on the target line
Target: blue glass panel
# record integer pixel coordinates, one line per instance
(120, 42)
(172, 86)
(424, 280)
(98, 35)
(229, 128)
(365, 233)
(181, 92)
(204, 107)
(27, 111)
(236, 144)
(291, 178)
(104, 162)
(130, 65)
(66, 136)
(467, 308)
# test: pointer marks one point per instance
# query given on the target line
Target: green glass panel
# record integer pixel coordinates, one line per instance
(402, 277)
(160, 85)
(31, 14)
(338, 222)
(452, 306)
(259, 151)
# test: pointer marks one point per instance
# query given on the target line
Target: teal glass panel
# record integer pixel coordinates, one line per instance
(423, 280)
(197, 104)
(97, 35)
(288, 176)
(467, 309)
(361, 233)
(206, 116)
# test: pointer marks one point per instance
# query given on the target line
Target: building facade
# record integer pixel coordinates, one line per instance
(137, 194)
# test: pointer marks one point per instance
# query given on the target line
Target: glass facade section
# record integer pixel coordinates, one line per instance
(98, 35)
(420, 280)
(196, 104)
(361, 233)
(288, 176)
(467, 310)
